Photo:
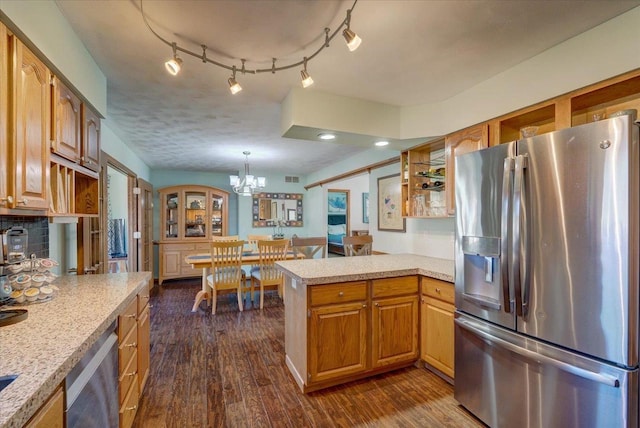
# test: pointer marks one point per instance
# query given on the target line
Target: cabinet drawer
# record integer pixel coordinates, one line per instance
(127, 320)
(204, 247)
(127, 348)
(130, 406)
(178, 247)
(143, 298)
(438, 289)
(389, 287)
(127, 375)
(338, 293)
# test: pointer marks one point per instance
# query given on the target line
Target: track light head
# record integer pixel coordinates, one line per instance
(306, 79)
(174, 65)
(234, 86)
(353, 41)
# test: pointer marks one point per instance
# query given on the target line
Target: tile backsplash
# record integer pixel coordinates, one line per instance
(37, 228)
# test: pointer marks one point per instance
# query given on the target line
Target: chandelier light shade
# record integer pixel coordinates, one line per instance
(174, 65)
(249, 184)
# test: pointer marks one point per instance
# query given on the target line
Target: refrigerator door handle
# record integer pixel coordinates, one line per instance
(516, 241)
(539, 358)
(504, 233)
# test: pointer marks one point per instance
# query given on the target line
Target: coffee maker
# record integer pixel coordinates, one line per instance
(14, 245)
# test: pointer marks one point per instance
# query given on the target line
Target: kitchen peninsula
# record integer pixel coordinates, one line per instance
(353, 317)
(43, 349)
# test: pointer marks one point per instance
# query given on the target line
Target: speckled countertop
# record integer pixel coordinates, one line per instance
(44, 348)
(341, 269)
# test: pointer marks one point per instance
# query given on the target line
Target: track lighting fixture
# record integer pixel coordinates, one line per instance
(306, 79)
(174, 65)
(234, 86)
(353, 41)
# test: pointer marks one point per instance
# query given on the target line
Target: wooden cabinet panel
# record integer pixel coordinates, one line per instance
(51, 414)
(438, 335)
(66, 122)
(130, 407)
(169, 264)
(4, 117)
(389, 287)
(394, 330)
(127, 319)
(338, 293)
(458, 143)
(32, 108)
(128, 347)
(437, 289)
(90, 157)
(337, 341)
(144, 343)
(127, 376)
(437, 326)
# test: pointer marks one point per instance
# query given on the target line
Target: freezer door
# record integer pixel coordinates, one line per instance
(508, 380)
(483, 181)
(578, 239)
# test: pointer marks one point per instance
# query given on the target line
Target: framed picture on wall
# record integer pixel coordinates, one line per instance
(389, 204)
(365, 207)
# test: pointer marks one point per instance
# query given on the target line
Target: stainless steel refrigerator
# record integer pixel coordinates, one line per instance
(547, 295)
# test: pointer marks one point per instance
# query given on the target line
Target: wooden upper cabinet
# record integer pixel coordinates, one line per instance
(4, 116)
(458, 143)
(66, 122)
(90, 156)
(32, 107)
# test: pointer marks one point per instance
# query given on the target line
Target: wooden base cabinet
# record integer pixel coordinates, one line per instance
(437, 328)
(335, 333)
(51, 414)
(133, 355)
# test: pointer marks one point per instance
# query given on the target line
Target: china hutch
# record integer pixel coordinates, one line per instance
(190, 215)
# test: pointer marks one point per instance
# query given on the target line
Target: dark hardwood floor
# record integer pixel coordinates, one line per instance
(228, 369)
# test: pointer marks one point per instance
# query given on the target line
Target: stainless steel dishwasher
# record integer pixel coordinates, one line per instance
(92, 385)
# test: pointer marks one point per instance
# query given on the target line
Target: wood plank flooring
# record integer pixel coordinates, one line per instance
(228, 370)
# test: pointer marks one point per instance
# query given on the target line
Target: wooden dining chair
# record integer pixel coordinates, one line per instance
(309, 247)
(226, 238)
(267, 275)
(226, 270)
(252, 241)
(357, 245)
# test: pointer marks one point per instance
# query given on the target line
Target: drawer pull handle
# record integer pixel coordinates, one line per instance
(364, 306)
(131, 374)
(377, 304)
(131, 408)
(341, 294)
(130, 316)
(131, 345)
(437, 290)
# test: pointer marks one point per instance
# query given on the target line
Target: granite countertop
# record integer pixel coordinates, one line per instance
(341, 269)
(44, 348)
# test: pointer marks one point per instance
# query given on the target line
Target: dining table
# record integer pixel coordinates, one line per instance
(203, 261)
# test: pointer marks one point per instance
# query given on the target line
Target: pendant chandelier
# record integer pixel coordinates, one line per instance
(247, 185)
(174, 64)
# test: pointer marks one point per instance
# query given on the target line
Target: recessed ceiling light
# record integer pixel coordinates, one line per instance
(382, 143)
(326, 136)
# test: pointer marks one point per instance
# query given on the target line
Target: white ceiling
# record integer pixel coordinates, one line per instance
(413, 52)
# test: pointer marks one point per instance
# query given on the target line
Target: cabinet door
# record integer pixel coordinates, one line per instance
(90, 157)
(337, 341)
(66, 122)
(394, 330)
(171, 263)
(169, 205)
(51, 414)
(32, 126)
(4, 117)
(438, 334)
(465, 141)
(144, 324)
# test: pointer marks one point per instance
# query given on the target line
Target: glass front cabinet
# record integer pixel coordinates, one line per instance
(190, 216)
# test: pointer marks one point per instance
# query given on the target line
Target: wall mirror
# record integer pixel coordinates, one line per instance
(273, 209)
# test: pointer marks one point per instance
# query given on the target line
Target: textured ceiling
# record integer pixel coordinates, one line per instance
(413, 52)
